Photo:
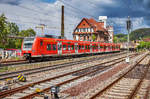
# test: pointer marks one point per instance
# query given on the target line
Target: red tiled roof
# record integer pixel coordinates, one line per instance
(99, 26)
(146, 39)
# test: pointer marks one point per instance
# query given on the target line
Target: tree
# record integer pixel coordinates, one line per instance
(11, 29)
(93, 37)
(3, 31)
(27, 33)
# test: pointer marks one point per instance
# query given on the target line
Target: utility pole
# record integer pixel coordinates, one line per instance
(62, 22)
(128, 29)
(42, 26)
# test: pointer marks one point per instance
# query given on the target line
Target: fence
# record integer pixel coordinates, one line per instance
(5, 54)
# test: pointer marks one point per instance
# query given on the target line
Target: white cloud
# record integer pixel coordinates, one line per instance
(30, 13)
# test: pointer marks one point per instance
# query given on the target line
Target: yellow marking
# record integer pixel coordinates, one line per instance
(21, 78)
(37, 90)
(138, 97)
(8, 79)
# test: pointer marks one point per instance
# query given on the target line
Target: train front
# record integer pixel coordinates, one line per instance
(27, 47)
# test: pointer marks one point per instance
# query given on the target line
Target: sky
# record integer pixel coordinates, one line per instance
(30, 13)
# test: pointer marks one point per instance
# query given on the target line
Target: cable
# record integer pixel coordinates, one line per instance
(77, 9)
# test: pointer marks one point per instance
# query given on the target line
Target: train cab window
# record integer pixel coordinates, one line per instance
(72, 46)
(49, 47)
(41, 43)
(64, 47)
(54, 47)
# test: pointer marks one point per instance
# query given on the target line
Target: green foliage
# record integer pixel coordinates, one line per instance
(28, 32)
(11, 29)
(144, 45)
(118, 38)
(140, 33)
(94, 37)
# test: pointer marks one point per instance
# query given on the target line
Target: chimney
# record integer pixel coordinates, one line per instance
(103, 19)
(62, 22)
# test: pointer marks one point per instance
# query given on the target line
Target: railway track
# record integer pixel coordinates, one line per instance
(16, 62)
(4, 76)
(71, 76)
(131, 85)
(22, 62)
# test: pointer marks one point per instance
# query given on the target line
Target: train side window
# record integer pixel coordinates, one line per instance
(86, 47)
(49, 47)
(72, 47)
(79, 47)
(54, 47)
(69, 48)
(41, 43)
(64, 47)
(82, 46)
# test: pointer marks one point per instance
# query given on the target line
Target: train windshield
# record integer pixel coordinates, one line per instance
(28, 45)
(28, 42)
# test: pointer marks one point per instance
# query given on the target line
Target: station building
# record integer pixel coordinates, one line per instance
(85, 30)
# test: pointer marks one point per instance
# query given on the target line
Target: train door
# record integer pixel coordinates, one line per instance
(98, 47)
(76, 47)
(91, 48)
(59, 45)
(42, 47)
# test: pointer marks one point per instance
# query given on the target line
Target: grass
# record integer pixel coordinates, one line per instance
(3, 69)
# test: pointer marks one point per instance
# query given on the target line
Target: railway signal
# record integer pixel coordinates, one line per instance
(128, 29)
(54, 90)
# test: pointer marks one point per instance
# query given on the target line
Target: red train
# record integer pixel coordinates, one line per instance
(42, 47)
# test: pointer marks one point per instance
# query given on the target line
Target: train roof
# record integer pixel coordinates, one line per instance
(65, 40)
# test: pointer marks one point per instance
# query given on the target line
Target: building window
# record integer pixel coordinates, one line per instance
(84, 30)
(92, 30)
(88, 29)
(79, 30)
(84, 37)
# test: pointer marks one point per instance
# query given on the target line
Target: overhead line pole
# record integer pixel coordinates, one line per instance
(62, 22)
(128, 28)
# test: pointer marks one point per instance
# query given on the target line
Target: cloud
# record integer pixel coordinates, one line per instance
(13, 2)
(30, 13)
